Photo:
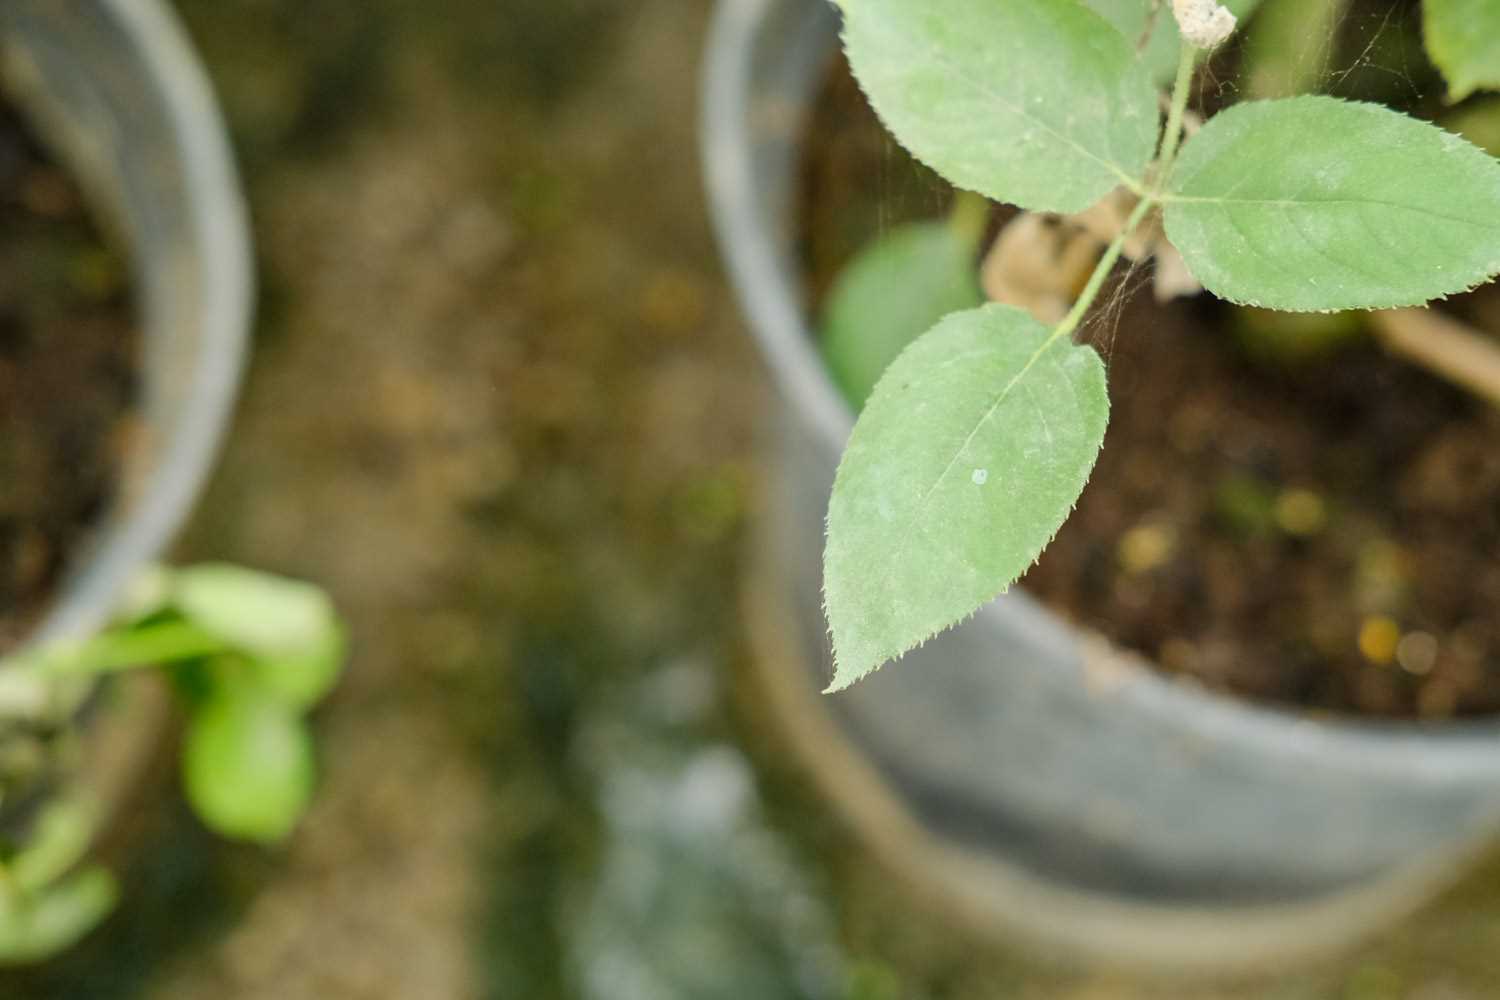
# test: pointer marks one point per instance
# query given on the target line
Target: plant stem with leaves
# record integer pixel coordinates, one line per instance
(976, 442)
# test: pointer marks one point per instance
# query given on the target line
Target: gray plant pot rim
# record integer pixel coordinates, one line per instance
(770, 300)
(164, 486)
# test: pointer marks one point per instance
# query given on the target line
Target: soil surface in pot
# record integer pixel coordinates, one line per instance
(1322, 534)
(67, 374)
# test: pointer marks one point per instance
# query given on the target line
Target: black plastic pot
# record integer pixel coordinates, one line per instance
(1017, 769)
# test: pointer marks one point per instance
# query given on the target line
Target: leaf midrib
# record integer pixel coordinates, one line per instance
(907, 531)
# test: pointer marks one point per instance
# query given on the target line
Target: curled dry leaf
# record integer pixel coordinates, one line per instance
(1040, 262)
(1106, 219)
(1172, 279)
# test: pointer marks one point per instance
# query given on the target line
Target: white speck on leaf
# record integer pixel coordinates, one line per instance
(980, 477)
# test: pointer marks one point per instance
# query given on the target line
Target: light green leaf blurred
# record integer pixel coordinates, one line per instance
(1033, 102)
(304, 678)
(1289, 46)
(968, 457)
(1317, 204)
(891, 293)
(247, 764)
(37, 927)
(1289, 339)
(1463, 38)
(59, 839)
(268, 616)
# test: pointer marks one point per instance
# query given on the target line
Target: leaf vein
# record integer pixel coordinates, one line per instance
(1357, 203)
(1327, 254)
(1255, 247)
(989, 413)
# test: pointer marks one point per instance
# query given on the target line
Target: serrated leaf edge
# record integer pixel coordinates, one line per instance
(1048, 345)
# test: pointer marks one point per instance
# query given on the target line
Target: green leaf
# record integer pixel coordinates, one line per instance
(304, 678)
(1039, 103)
(1312, 204)
(247, 764)
(1463, 38)
(966, 460)
(260, 613)
(890, 294)
(57, 917)
(61, 836)
(1132, 18)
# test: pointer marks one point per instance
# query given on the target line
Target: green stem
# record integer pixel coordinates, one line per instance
(1170, 140)
(1101, 272)
(1172, 137)
(148, 645)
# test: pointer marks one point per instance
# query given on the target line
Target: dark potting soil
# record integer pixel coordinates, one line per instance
(1323, 533)
(67, 375)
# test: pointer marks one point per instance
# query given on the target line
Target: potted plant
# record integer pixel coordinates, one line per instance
(114, 93)
(1020, 767)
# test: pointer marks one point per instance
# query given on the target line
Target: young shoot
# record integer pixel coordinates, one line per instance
(976, 442)
(249, 655)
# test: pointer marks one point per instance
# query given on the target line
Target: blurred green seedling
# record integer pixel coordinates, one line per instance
(248, 655)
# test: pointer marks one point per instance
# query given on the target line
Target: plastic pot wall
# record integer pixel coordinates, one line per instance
(115, 90)
(1053, 788)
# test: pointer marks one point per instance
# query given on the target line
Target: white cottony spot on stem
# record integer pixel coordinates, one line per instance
(1204, 23)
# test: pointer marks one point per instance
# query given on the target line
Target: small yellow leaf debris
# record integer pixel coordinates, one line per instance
(1378, 638)
(1146, 547)
(1301, 512)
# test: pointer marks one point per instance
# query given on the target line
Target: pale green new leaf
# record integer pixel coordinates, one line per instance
(1463, 38)
(268, 615)
(966, 460)
(1040, 103)
(58, 840)
(247, 764)
(891, 293)
(304, 678)
(1316, 204)
(1134, 18)
(58, 917)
